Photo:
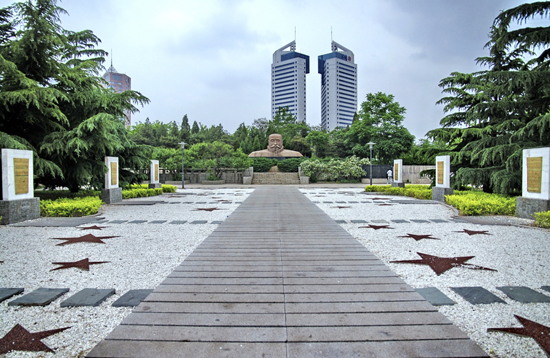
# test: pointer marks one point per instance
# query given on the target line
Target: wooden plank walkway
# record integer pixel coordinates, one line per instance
(279, 278)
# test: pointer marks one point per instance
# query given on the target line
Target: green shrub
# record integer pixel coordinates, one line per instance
(140, 193)
(262, 165)
(290, 165)
(70, 207)
(473, 203)
(542, 219)
(413, 191)
(334, 169)
(168, 188)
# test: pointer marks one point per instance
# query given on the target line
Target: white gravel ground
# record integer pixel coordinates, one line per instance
(520, 254)
(140, 258)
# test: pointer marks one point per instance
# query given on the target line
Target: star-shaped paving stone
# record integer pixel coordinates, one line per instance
(342, 207)
(472, 232)
(535, 330)
(85, 238)
(19, 339)
(442, 264)
(376, 227)
(206, 209)
(95, 227)
(82, 264)
(420, 237)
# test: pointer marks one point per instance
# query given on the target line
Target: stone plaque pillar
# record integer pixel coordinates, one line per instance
(18, 202)
(154, 181)
(112, 193)
(535, 193)
(398, 174)
(442, 178)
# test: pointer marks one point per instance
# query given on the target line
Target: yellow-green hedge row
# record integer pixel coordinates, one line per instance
(475, 203)
(413, 191)
(542, 219)
(165, 187)
(70, 207)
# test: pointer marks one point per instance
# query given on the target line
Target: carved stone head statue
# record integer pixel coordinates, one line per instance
(275, 143)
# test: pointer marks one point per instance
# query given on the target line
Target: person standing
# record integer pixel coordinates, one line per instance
(389, 176)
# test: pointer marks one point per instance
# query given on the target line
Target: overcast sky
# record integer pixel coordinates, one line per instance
(211, 59)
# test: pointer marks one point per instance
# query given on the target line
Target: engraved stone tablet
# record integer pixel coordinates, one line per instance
(21, 167)
(534, 174)
(156, 172)
(114, 173)
(396, 171)
(440, 172)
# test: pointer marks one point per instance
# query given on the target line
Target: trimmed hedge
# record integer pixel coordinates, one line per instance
(542, 219)
(474, 203)
(140, 193)
(290, 165)
(262, 165)
(70, 207)
(165, 188)
(413, 191)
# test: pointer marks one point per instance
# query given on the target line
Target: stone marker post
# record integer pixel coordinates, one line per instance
(112, 193)
(154, 182)
(398, 174)
(18, 202)
(442, 178)
(535, 193)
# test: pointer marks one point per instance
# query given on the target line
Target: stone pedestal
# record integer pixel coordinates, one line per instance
(109, 196)
(397, 185)
(247, 180)
(438, 194)
(304, 180)
(15, 211)
(155, 186)
(526, 207)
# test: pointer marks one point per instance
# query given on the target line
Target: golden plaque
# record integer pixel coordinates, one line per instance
(156, 172)
(534, 174)
(21, 167)
(396, 171)
(114, 173)
(440, 166)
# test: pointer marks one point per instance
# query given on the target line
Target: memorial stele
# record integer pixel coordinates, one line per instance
(275, 149)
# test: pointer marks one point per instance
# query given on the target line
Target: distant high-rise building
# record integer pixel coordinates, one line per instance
(288, 81)
(338, 87)
(120, 83)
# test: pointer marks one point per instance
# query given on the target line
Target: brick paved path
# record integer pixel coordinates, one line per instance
(279, 278)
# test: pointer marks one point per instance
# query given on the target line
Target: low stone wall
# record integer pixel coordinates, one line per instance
(276, 178)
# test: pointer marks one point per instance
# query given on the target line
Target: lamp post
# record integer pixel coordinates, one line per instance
(370, 147)
(182, 173)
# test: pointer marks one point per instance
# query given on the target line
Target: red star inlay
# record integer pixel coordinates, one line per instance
(222, 200)
(535, 330)
(384, 204)
(206, 209)
(95, 227)
(420, 237)
(472, 232)
(85, 238)
(442, 264)
(82, 264)
(376, 227)
(19, 339)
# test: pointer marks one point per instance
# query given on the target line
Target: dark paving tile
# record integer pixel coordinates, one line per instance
(187, 202)
(419, 221)
(226, 202)
(438, 221)
(358, 221)
(197, 222)
(366, 202)
(477, 295)
(316, 202)
(399, 221)
(327, 202)
(459, 221)
(524, 294)
(200, 202)
(137, 221)
(216, 222)
(340, 202)
(39, 297)
(117, 221)
(380, 221)
(341, 221)
(546, 288)
(238, 202)
(88, 297)
(6, 293)
(131, 298)
(378, 202)
(178, 222)
(175, 202)
(435, 296)
(157, 222)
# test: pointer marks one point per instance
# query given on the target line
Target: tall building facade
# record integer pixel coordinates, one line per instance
(120, 83)
(338, 87)
(288, 81)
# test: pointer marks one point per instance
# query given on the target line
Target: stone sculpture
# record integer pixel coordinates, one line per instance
(275, 149)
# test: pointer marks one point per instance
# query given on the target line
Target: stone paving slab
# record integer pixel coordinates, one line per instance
(131, 298)
(138, 202)
(60, 222)
(39, 297)
(178, 222)
(6, 293)
(546, 288)
(435, 296)
(524, 294)
(137, 221)
(88, 297)
(279, 278)
(477, 295)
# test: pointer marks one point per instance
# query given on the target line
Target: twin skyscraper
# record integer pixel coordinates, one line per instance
(338, 84)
